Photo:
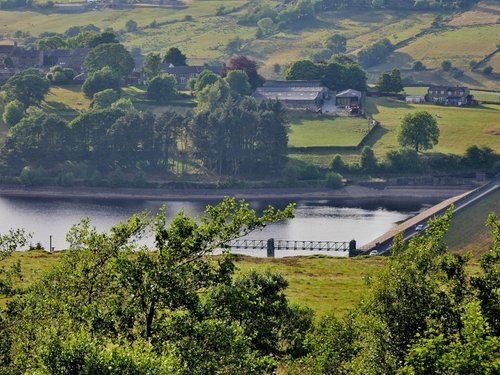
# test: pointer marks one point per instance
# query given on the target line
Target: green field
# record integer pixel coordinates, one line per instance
(459, 127)
(310, 129)
(326, 284)
(468, 233)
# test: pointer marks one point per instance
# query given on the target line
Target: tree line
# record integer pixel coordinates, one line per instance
(112, 306)
(235, 136)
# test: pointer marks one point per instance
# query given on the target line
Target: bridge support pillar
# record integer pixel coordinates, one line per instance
(352, 248)
(270, 248)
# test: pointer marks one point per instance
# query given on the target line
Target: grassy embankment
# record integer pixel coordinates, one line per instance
(468, 233)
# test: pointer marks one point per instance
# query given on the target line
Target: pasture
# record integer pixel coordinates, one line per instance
(311, 129)
(459, 127)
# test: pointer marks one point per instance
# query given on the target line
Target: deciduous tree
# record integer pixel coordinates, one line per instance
(418, 130)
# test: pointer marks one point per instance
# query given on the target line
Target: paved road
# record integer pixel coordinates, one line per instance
(383, 243)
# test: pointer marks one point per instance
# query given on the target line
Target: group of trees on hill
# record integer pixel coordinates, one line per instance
(229, 134)
(339, 73)
(112, 306)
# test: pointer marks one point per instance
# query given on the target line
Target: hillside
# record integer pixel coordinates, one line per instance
(203, 35)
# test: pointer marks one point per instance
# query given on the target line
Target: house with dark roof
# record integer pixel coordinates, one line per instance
(66, 58)
(294, 94)
(184, 73)
(449, 95)
(21, 58)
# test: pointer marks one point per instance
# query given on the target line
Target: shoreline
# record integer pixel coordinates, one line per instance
(423, 194)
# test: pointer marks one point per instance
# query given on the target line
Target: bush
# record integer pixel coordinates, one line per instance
(337, 164)
(368, 161)
(446, 65)
(404, 160)
(103, 99)
(13, 113)
(31, 176)
(334, 180)
(310, 172)
(290, 175)
(488, 70)
(131, 26)
(418, 66)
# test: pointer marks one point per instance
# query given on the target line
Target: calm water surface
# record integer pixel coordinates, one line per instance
(316, 220)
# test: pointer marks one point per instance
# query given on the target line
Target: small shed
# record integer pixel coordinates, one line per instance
(348, 98)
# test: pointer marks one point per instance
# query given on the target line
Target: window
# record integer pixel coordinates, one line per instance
(182, 80)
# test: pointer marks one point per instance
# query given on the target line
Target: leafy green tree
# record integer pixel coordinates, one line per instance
(175, 57)
(396, 83)
(336, 43)
(368, 160)
(302, 69)
(384, 83)
(100, 80)
(337, 164)
(238, 82)
(28, 86)
(446, 65)
(418, 66)
(104, 99)
(13, 240)
(38, 137)
(13, 113)
(162, 88)
(472, 350)
(334, 180)
(205, 78)
(151, 65)
(257, 301)
(7, 61)
(249, 66)
(234, 45)
(51, 42)
(131, 26)
(418, 130)
(109, 292)
(113, 55)
(266, 25)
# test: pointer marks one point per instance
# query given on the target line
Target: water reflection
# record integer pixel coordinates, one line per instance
(315, 220)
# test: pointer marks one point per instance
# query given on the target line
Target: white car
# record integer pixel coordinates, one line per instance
(374, 253)
(419, 228)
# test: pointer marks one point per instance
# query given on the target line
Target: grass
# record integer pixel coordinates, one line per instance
(459, 127)
(328, 285)
(468, 233)
(311, 129)
(459, 46)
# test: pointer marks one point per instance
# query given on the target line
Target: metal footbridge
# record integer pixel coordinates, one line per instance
(274, 244)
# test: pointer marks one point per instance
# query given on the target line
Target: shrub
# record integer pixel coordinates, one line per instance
(334, 180)
(13, 113)
(337, 164)
(446, 65)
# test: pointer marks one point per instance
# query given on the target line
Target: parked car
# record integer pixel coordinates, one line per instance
(419, 228)
(374, 253)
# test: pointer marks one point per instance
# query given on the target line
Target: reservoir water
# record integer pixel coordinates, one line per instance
(315, 220)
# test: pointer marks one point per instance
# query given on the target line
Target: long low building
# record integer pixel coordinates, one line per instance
(294, 94)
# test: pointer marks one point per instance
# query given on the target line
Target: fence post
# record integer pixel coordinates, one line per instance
(270, 248)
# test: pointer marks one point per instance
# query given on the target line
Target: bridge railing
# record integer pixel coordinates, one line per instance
(272, 244)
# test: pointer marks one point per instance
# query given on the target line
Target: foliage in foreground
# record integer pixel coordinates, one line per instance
(114, 307)
(111, 307)
(423, 316)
